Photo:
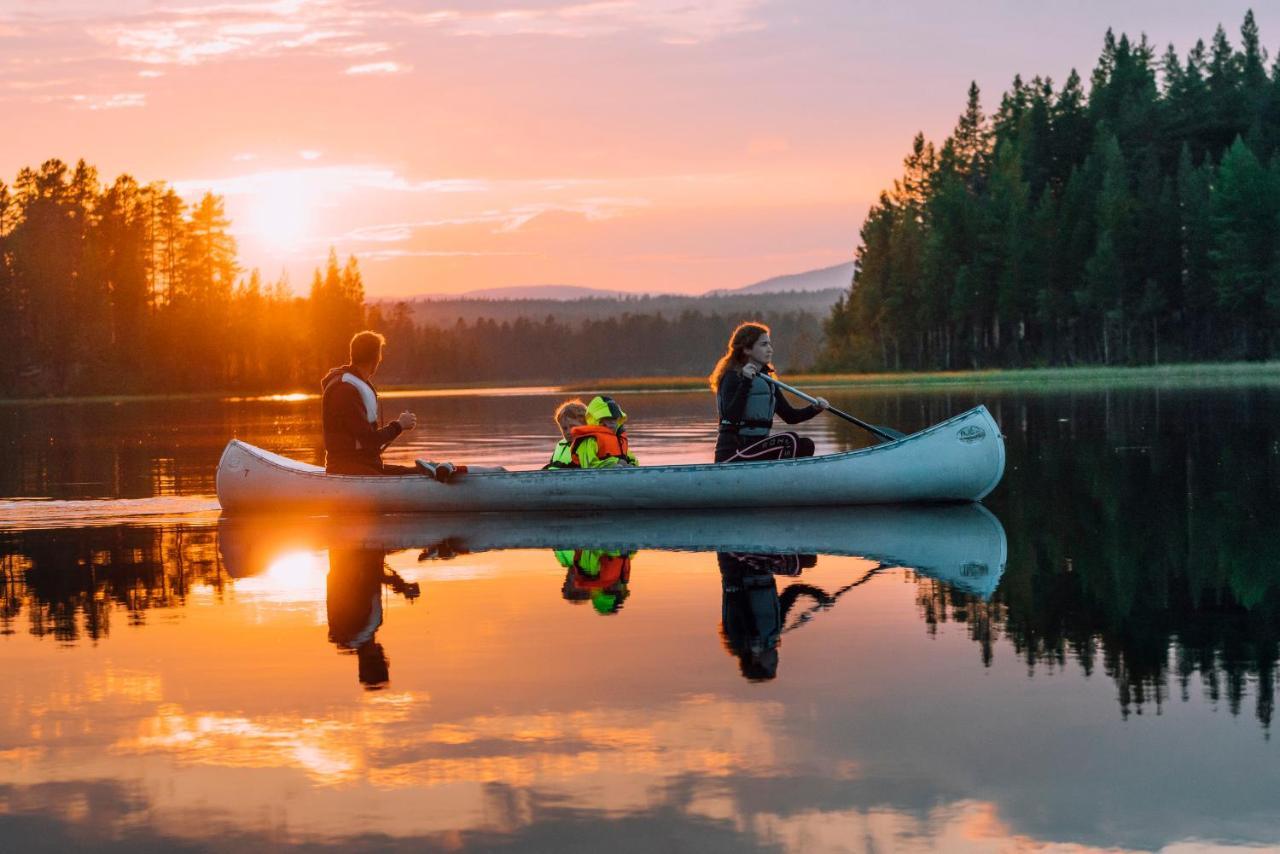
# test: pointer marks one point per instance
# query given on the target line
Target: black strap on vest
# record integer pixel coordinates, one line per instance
(735, 426)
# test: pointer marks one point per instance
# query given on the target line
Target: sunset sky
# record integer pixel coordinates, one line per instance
(655, 145)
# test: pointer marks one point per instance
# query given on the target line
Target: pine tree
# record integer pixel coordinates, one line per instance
(9, 315)
(1252, 62)
(1072, 131)
(47, 251)
(972, 137)
(1244, 211)
(1227, 113)
(209, 266)
(1187, 111)
(1196, 300)
(1012, 238)
(120, 245)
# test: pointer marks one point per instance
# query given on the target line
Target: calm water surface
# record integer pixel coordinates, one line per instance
(1089, 660)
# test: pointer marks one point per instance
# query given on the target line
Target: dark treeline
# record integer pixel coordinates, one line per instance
(552, 350)
(1132, 223)
(124, 287)
(446, 311)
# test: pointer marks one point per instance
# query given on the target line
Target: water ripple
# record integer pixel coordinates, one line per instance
(38, 513)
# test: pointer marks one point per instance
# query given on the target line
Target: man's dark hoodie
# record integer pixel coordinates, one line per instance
(353, 441)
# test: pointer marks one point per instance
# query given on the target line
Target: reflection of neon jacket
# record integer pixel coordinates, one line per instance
(595, 568)
(600, 574)
(597, 446)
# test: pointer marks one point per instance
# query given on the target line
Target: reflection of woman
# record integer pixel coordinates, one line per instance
(354, 603)
(752, 612)
(747, 403)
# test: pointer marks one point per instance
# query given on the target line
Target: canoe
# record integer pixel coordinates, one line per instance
(962, 545)
(960, 459)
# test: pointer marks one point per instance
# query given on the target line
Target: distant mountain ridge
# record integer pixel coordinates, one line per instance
(837, 276)
(557, 292)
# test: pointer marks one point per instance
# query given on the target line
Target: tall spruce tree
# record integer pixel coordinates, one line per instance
(1244, 210)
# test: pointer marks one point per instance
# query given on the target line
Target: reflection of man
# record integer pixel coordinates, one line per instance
(596, 575)
(354, 604)
(752, 612)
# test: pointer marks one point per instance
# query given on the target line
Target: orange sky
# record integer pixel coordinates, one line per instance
(663, 145)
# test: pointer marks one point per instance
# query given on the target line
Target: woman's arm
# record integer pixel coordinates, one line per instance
(789, 413)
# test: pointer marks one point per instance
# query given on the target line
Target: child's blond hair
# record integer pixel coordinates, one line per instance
(567, 410)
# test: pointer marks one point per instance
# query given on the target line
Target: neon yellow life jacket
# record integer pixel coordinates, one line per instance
(563, 457)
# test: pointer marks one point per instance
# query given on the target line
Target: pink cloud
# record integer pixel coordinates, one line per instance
(378, 68)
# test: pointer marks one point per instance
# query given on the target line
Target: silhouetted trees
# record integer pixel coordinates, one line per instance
(126, 288)
(1134, 224)
(550, 350)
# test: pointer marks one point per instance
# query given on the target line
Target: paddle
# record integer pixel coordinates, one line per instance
(832, 597)
(886, 433)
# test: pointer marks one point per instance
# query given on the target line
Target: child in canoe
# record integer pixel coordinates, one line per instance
(594, 436)
(570, 414)
(602, 441)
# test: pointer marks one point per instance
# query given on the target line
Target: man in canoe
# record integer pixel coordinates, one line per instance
(747, 402)
(353, 441)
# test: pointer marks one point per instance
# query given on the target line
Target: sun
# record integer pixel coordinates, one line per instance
(281, 217)
(297, 570)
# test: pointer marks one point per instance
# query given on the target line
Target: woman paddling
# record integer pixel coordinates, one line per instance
(747, 403)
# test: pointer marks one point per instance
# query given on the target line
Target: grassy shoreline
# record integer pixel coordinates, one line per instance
(1202, 374)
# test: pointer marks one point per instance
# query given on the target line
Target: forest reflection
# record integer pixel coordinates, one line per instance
(1155, 619)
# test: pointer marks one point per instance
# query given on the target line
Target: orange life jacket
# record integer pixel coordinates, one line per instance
(608, 443)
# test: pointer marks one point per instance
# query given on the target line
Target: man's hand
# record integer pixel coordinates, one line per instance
(407, 420)
(821, 403)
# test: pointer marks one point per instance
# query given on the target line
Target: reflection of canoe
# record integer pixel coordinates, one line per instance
(962, 544)
(960, 459)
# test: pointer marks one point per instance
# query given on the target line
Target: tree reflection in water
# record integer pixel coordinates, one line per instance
(71, 582)
(1142, 540)
(1199, 602)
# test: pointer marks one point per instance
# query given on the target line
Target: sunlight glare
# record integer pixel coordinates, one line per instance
(280, 213)
(295, 571)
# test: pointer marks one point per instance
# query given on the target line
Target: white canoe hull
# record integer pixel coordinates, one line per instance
(960, 544)
(960, 459)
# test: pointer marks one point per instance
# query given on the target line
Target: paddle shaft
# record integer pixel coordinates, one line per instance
(832, 597)
(888, 437)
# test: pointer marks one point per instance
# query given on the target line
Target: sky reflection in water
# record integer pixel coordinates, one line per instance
(197, 684)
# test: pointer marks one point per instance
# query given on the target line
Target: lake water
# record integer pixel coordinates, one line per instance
(844, 679)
